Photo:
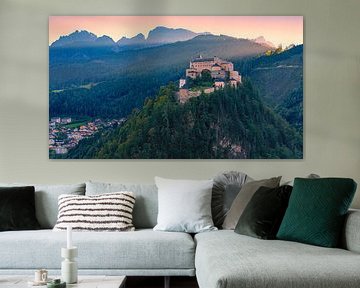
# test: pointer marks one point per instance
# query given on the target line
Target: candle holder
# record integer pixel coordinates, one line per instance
(69, 270)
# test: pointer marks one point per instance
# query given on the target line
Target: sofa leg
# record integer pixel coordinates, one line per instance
(167, 282)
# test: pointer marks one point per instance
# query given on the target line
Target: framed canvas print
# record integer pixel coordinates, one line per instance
(176, 87)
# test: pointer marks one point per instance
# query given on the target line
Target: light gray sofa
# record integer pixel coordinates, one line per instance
(226, 259)
(220, 259)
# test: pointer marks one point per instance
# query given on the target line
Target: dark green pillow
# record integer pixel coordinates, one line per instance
(263, 214)
(17, 209)
(316, 211)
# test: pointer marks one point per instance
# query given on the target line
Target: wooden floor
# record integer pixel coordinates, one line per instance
(158, 282)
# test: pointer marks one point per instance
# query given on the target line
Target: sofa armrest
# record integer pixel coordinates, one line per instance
(351, 234)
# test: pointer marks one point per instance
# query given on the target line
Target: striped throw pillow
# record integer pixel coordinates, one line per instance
(105, 212)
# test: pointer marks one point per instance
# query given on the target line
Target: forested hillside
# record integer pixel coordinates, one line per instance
(279, 81)
(277, 74)
(122, 80)
(229, 123)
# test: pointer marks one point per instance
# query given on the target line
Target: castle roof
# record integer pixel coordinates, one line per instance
(203, 59)
(216, 65)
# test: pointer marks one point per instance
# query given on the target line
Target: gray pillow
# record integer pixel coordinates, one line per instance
(46, 200)
(146, 204)
(184, 205)
(244, 197)
(310, 176)
(226, 187)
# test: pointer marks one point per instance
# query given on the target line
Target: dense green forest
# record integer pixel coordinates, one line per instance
(110, 99)
(279, 80)
(229, 123)
(124, 79)
(132, 76)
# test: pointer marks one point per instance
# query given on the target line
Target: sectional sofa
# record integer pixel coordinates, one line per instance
(219, 259)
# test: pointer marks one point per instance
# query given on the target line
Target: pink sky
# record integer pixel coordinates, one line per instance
(283, 30)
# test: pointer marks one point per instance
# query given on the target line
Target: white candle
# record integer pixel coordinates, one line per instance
(69, 237)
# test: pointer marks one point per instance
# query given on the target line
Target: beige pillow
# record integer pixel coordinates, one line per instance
(243, 198)
(105, 212)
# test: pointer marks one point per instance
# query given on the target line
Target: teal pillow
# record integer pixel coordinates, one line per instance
(316, 211)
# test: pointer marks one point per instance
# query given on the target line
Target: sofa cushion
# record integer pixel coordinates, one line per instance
(317, 210)
(263, 215)
(17, 208)
(226, 187)
(184, 205)
(146, 205)
(46, 200)
(243, 198)
(350, 239)
(225, 259)
(143, 249)
(105, 212)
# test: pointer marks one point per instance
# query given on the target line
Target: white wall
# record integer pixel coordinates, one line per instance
(331, 97)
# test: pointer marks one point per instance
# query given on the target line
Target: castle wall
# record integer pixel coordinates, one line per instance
(227, 66)
(199, 66)
(215, 68)
(184, 95)
(219, 84)
(218, 74)
(191, 73)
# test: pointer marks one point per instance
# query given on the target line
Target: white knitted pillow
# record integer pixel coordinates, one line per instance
(105, 212)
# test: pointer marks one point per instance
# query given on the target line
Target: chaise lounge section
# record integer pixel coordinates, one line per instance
(225, 259)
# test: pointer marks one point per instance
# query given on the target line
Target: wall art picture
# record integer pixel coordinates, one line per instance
(175, 87)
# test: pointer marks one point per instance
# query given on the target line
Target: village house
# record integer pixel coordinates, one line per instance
(66, 120)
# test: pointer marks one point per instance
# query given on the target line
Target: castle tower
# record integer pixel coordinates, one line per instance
(182, 82)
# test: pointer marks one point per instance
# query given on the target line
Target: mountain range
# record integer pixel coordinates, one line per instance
(73, 66)
(160, 35)
(263, 41)
(82, 39)
(157, 36)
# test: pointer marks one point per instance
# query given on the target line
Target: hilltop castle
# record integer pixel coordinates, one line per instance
(222, 72)
(219, 69)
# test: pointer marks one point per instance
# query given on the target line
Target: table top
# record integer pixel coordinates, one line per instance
(84, 281)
